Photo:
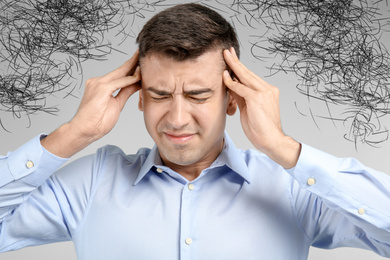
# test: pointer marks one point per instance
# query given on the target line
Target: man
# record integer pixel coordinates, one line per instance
(194, 195)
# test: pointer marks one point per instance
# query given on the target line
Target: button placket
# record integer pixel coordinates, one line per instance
(188, 213)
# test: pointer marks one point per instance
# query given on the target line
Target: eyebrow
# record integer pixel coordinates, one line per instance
(158, 92)
(191, 92)
(199, 91)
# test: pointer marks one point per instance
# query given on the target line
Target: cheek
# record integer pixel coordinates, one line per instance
(152, 115)
(210, 114)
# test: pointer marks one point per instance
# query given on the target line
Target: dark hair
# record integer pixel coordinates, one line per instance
(186, 31)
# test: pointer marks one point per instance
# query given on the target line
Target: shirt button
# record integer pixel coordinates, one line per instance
(29, 164)
(311, 181)
(188, 241)
(191, 186)
(362, 211)
(159, 170)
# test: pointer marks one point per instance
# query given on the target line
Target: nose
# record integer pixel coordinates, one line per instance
(178, 115)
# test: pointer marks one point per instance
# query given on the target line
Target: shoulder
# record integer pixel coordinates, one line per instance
(254, 158)
(107, 156)
(114, 154)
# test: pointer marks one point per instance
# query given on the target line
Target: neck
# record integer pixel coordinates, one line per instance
(190, 172)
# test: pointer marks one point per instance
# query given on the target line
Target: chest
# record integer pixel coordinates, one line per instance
(164, 220)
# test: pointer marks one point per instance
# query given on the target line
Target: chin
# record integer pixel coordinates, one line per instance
(181, 158)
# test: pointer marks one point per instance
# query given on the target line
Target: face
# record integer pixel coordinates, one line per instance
(185, 106)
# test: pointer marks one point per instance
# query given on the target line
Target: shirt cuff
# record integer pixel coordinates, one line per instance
(314, 170)
(32, 158)
(346, 185)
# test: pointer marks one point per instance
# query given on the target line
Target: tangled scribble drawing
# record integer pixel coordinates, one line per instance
(334, 47)
(44, 42)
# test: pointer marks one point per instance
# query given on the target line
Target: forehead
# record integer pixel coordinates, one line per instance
(161, 71)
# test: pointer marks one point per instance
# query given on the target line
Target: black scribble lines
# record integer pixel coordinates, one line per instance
(134, 12)
(26, 93)
(43, 44)
(336, 49)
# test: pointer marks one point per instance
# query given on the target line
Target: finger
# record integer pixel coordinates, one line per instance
(123, 82)
(244, 75)
(125, 93)
(237, 60)
(236, 86)
(261, 80)
(125, 69)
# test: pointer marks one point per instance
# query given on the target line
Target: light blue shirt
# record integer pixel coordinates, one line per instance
(244, 206)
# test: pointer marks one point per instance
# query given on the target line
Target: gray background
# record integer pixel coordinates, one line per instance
(130, 133)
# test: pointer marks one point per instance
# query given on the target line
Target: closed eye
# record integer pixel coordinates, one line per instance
(198, 100)
(200, 95)
(197, 96)
(162, 98)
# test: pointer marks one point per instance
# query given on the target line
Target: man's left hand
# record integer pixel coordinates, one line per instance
(258, 102)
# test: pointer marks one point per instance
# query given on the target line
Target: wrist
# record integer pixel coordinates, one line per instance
(77, 133)
(65, 141)
(285, 151)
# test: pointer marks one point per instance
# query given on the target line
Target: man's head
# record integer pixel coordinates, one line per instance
(183, 96)
(185, 32)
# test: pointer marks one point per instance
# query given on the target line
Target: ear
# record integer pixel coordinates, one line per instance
(141, 101)
(232, 105)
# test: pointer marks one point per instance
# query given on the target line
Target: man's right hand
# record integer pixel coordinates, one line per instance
(99, 110)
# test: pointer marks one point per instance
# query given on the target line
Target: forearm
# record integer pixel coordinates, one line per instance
(22, 171)
(39, 198)
(345, 185)
(285, 151)
(64, 142)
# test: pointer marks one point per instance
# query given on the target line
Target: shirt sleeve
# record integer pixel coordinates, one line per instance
(40, 204)
(340, 202)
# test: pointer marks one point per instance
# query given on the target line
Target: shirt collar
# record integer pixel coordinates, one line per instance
(151, 160)
(230, 156)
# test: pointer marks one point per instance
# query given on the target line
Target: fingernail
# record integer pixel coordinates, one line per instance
(226, 73)
(228, 52)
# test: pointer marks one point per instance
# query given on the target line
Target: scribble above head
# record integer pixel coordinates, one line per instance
(43, 44)
(25, 92)
(336, 49)
(73, 27)
(142, 8)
